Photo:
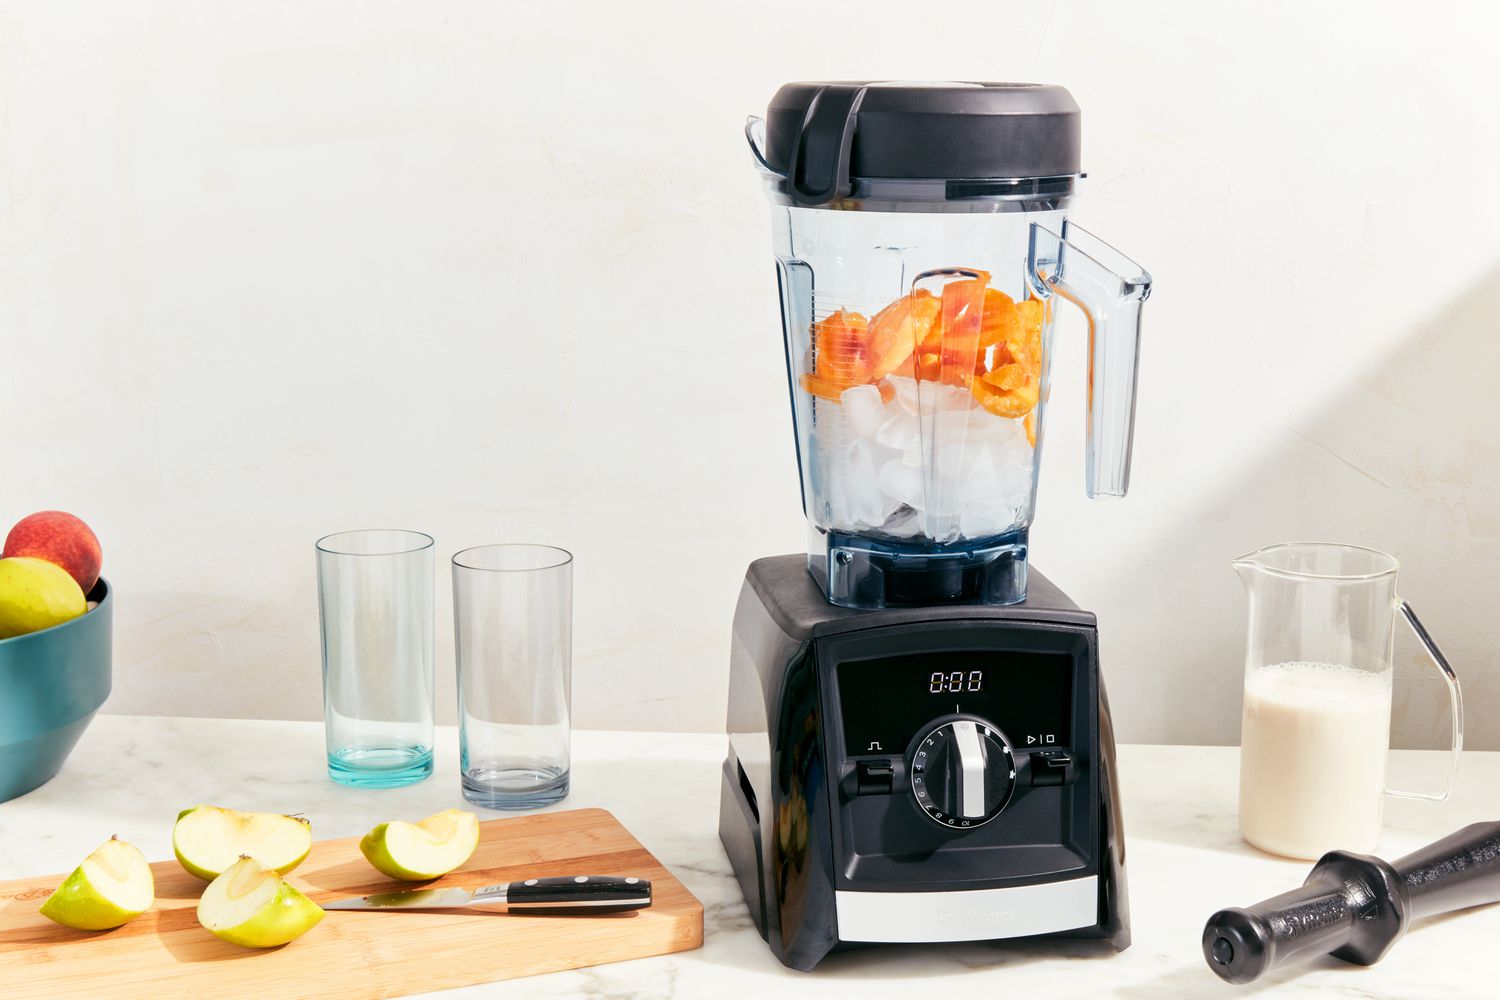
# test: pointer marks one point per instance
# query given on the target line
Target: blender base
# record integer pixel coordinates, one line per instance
(819, 809)
(856, 571)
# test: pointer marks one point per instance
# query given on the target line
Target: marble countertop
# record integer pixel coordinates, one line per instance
(130, 776)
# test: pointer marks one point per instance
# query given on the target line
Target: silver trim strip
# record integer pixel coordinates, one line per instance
(967, 915)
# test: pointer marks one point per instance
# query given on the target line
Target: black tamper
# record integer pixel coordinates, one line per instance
(1354, 906)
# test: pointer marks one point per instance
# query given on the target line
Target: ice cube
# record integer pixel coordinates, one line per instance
(1015, 486)
(944, 497)
(981, 477)
(901, 484)
(1011, 444)
(938, 397)
(906, 393)
(864, 408)
(905, 522)
(987, 521)
(985, 509)
(900, 430)
(951, 433)
(1001, 445)
(984, 425)
(864, 502)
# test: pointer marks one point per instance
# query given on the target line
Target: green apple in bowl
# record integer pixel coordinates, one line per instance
(113, 886)
(209, 839)
(253, 906)
(427, 849)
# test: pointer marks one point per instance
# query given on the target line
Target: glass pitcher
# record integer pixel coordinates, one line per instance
(1317, 715)
(921, 245)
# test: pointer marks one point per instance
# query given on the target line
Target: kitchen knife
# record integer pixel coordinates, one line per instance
(569, 894)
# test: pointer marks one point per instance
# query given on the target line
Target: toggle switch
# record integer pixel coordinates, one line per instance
(875, 777)
(1051, 767)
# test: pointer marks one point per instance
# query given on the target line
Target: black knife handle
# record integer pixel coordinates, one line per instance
(592, 893)
(1455, 873)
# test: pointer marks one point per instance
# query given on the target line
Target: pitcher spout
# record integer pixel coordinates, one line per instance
(1247, 567)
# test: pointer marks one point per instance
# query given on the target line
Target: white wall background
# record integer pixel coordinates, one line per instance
(502, 272)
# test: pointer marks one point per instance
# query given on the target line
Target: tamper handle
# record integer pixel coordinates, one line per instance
(1355, 906)
(1459, 871)
(1349, 901)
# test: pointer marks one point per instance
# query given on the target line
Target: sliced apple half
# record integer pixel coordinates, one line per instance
(113, 886)
(253, 906)
(417, 852)
(208, 839)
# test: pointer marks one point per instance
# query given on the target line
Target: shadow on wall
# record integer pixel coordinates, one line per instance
(1407, 460)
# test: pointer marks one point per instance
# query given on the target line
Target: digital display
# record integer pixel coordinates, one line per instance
(1027, 694)
(956, 682)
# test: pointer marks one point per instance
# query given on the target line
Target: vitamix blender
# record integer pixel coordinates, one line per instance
(920, 748)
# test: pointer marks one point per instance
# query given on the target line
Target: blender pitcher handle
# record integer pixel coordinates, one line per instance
(1455, 703)
(1109, 288)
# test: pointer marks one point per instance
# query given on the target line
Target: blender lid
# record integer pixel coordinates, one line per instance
(819, 135)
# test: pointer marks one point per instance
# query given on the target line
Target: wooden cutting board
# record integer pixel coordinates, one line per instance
(165, 953)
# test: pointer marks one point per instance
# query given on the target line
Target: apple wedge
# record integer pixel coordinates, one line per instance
(113, 886)
(252, 906)
(417, 852)
(208, 839)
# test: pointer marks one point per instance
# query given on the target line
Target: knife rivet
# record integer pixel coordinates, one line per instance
(581, 878)
(531, 881)
(632, 880)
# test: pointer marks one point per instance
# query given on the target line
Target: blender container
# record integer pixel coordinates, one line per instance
(922, 243)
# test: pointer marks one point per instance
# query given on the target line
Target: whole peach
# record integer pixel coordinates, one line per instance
(61, 539)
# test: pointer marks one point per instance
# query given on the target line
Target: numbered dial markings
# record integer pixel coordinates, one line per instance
(962, 773)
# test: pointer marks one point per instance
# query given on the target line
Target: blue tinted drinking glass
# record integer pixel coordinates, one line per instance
(375, 603)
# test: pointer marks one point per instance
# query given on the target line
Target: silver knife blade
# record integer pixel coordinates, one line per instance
(411, 899)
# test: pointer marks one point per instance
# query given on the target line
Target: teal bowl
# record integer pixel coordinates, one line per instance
(51, 684)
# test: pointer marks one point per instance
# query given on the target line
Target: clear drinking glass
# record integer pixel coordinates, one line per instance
(375, 604)
(513, 631)
(1317, 715)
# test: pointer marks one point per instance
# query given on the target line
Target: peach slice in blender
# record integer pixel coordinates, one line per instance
(1031, 315)
(1013, 403)
(897, 329)
(1000, 322)
(950, 352)
(842, 355)
(823, 388)
(843, 345)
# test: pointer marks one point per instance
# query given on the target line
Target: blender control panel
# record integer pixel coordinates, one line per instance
(886, 702)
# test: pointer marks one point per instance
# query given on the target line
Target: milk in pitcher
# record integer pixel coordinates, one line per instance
(1313, 739)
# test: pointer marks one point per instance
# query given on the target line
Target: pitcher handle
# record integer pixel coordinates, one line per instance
(1455, 702)
(1109, 288)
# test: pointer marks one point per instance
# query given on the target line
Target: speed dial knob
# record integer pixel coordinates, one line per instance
(962, 772)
